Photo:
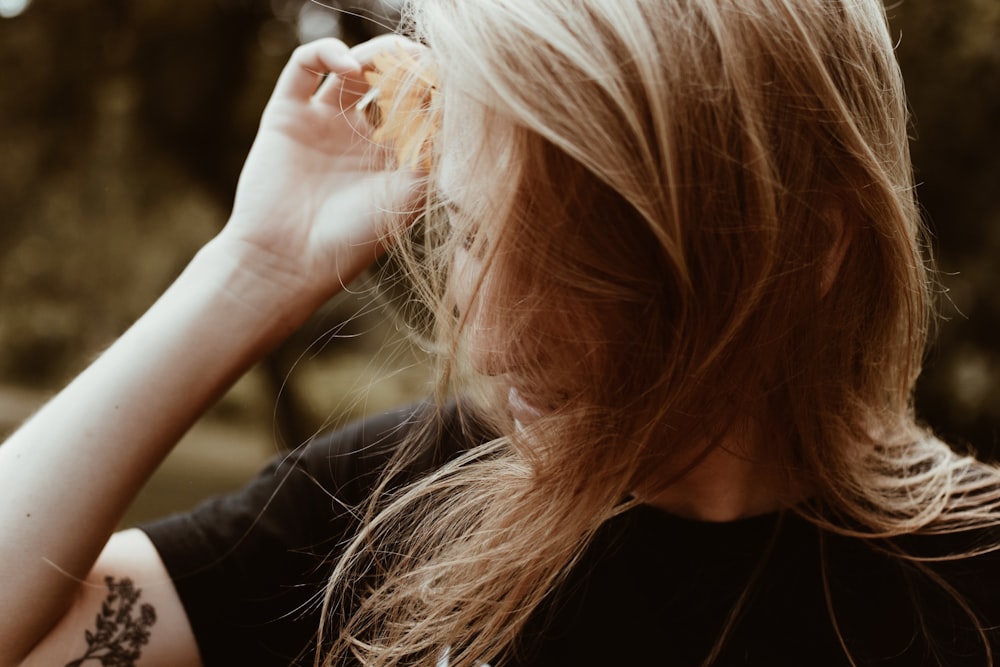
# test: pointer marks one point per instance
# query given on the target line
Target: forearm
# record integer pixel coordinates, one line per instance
(70, 472)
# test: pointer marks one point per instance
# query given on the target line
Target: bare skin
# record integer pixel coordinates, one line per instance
(733, 481)
(308, 217)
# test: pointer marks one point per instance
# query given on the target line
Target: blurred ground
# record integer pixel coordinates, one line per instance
(123, 124)
(226, 447)
(217, 455)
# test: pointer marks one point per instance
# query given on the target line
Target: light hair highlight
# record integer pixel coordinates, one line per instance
(673, 180)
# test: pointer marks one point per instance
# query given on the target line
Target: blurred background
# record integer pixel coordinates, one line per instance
(123, 125)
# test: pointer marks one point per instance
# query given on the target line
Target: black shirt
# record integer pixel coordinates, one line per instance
(652, 589)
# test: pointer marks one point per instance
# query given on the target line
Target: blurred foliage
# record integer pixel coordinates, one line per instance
(123, 124)
(950, 57)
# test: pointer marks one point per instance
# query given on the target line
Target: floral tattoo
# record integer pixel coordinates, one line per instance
(119, 636)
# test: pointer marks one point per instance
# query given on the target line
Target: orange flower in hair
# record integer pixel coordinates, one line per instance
(401, 105)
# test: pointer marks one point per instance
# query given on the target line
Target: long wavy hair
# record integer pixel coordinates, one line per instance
(690, 219)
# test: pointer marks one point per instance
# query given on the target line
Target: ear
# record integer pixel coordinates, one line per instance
(843, 235)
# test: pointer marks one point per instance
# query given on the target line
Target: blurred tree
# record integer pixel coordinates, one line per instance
(950, 57)
(123, 124)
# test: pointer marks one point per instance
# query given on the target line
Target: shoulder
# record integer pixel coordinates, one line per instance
(250, 567)
(788, 591)
(929, 593)
(299, 493)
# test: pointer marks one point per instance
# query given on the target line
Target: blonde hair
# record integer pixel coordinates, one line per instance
(663, 192)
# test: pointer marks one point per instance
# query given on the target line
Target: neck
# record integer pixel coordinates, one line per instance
(734, 480)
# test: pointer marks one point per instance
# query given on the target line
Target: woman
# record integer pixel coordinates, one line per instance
(680, 300)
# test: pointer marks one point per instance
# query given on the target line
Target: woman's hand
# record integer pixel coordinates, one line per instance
(311, 209)
(312, 206)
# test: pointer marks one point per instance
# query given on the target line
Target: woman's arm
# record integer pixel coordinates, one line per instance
(308, 217)
(144, 616)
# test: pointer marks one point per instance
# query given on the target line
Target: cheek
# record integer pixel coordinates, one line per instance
(502, 335)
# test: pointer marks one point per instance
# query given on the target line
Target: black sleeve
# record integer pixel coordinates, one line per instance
(251, 568)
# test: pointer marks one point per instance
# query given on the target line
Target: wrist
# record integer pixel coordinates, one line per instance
(255, 286)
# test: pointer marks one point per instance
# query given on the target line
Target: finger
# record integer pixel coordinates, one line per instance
(310, 63)
(365, 52)
(343, 91)
(348, 90)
